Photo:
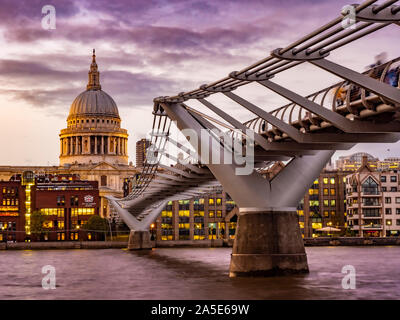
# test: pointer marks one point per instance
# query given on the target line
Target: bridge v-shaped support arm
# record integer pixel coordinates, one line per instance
(268, 239)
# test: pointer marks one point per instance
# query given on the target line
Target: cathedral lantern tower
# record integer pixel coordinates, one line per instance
(93, 133)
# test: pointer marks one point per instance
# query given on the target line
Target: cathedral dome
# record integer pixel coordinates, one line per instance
(93, 103)
(93, 133)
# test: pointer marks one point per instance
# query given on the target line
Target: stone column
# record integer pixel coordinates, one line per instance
(76, 145)
(102, 145)
(139, 240)
(61, 147)
(70, 146)
(126, 146)
(118, 146)
(268, 243)
(87, 151)
(95, 144)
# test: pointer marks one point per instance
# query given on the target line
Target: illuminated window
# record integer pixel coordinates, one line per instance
(300, 212)
(326, 213)
(316, 181)
(326, 203)
(314, 203)
(301, 224)
(74, 201)
(198, 213)
(184, 226)
(201, 201)
(219, 213)
(325, 180)
(48, 224)
(332, 192)
(332, 180)
(52, 212)
(81, 211)
(211, 201)
(184, 213)
(211, 213)
(316, 225)
(326, 191)
(333, 203)
(165, 213)
(333, 212)
(388, 222)
(219, 201)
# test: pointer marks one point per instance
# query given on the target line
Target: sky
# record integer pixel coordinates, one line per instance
(151, 48)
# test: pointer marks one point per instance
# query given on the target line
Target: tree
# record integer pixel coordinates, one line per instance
(37, 221)
(97, 224)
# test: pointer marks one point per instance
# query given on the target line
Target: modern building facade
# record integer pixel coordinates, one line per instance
(354, 161)
(324, 205)
(211, 217)
(373, 199)
(141, 149)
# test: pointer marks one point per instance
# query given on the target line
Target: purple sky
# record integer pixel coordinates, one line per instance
(148, 48)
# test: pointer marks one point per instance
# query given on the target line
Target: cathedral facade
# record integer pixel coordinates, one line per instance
(93, 145)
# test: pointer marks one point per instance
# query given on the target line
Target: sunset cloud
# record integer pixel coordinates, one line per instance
(150, 48)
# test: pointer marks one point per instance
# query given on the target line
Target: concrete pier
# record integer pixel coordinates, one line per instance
(139, 240)
(268, 243)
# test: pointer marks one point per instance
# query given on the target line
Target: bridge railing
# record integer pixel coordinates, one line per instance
(344, 98)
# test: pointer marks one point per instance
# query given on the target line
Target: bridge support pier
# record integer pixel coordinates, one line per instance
(268, 243)
(139, 240)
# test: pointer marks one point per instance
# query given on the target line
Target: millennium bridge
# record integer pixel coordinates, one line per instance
(363, 107)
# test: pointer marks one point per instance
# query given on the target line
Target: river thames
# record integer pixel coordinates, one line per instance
(194, 273)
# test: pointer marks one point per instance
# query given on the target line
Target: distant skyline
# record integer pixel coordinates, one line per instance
(149, 48)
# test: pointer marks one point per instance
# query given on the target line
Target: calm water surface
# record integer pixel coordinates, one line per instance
(194, 273)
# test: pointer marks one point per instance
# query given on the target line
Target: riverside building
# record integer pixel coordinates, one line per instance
(373, 199)
(65, 202)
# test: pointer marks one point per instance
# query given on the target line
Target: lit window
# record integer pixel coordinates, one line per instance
(332, 180)
(325, 180)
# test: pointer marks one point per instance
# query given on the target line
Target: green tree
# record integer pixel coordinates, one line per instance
(37, 221)
(98, 225)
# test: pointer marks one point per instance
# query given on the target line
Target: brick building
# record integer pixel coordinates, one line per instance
(65, 201)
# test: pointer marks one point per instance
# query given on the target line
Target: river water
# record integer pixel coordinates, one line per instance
(194, 273)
